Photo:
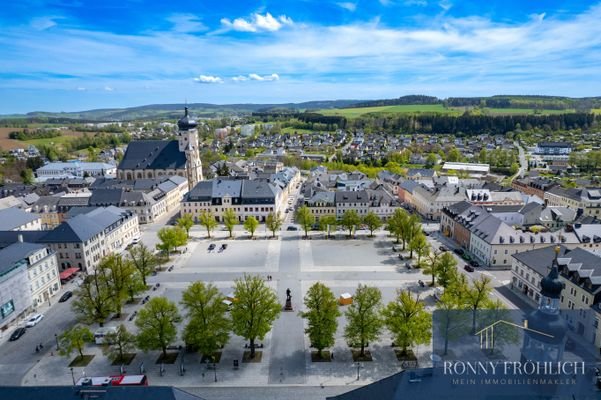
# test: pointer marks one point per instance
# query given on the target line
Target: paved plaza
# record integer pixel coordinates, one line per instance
(295, 263)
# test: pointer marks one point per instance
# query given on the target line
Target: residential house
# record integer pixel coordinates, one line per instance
(14, 219)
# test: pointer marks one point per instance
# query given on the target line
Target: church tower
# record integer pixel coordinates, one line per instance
(547, 334)
(188, 143)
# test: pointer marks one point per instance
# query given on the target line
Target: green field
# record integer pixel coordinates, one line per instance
(50, 141)
(290, 129)
(404, 109)
(523, 111)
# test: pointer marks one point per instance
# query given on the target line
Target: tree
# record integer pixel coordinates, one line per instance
(446, 270)
(514, 168)
(478, 296)
(350, 220)
(251, 225)
(156, 324)
(326, 222)
(255, 309)
(373, 222)
(408, 321)
(209, 326)
(135, 284)
(74, 339)
(121, 342)
(364, 320)
(305, 217)
(186, 222)
(171, 238)
(230, 220)
(93, 300)
(143, 259)
(321, 314)
(396, 224)
(273, 222)
(432, 267)
(411, 226)
(420, 245)
(117, 273)
(450, 318)
(207, 219)
(27, 176)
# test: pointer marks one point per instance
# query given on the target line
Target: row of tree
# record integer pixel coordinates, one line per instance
(350, 220)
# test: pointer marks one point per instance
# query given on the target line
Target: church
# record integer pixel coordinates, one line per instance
(152, 159)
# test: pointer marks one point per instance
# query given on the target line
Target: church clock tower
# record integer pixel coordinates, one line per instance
(188, 143)
(547, 334)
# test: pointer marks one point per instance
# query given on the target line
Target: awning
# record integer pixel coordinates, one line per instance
(68, 273)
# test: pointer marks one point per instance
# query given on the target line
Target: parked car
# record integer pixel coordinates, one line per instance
(66, 296)
(34, 320)
(443, 248)
(17, 334)
(459, 252)
(468, 268)
(223, 246)
(292, 228)
(211, 247)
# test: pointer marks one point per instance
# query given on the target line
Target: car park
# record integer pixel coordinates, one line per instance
(34, 320)
(468, 268)
(66, 296)
(17, 334)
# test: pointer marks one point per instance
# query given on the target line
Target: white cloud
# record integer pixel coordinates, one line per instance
(347, 5)
(255, 77)
(108, 89)
(208, 79)
(257, 23)
(421, 3)
(81, 89)
(240, 78)
(445, 4)
(43, 23)
(186, 23)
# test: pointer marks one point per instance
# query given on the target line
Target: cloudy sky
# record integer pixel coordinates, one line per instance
(68, 55)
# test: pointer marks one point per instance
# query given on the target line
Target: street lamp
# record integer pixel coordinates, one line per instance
(215, 370)
(72, 376)
(56, 339)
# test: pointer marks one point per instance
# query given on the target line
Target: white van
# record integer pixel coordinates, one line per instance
(100, 334)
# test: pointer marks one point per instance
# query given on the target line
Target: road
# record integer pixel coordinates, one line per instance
(523, 162)
(18, 357)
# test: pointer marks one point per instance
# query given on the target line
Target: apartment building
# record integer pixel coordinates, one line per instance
(245, 197)
(579, 270)
(322, 204)
(14, 219)
(586, 199)
(82, 241)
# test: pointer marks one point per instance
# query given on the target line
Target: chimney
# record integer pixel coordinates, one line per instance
(20, 238)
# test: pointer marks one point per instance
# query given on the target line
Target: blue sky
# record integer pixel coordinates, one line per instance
(68, 55)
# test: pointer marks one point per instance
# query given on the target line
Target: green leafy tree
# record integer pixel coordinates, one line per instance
(27, 176)
(230, 220)
(143, 259)
(171, 238)
(305, 217)
(207, 219)
(411, 227)
(209, 326)
(419, 244)
(121, 342)
(74, 339)
(477, 296)
(364, 317)
(451, 318)
(431, 268)
(396, 223)
(321, 314)
(273, 222)
(186, 222)
(251, 225)
(408, 321)
(134, 285)
(117, 272)
(446, 270)
(350, 219)
(255, 309)
(93, 301)
(373, 222)
(156, 323)
(326, 222)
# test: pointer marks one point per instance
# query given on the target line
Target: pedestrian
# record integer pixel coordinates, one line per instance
(41, 346)
(37, 349)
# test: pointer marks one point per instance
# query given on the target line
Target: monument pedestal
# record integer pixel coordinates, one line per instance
(288, 306)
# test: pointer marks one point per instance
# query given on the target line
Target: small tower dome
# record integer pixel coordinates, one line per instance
(186, 123)
(551, 285)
